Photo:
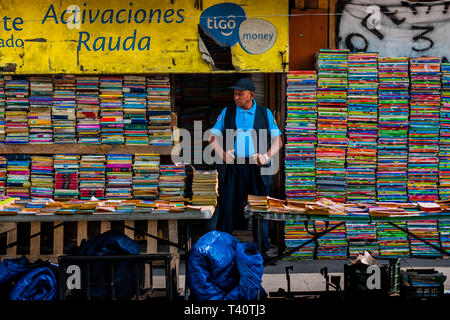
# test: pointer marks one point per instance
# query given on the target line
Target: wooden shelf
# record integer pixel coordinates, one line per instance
(83, 149)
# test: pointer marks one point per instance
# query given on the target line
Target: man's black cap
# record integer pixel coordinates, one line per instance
(244, 84)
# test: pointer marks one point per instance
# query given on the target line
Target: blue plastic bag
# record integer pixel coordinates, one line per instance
(38, 284)
(13, 269)
(221, 268)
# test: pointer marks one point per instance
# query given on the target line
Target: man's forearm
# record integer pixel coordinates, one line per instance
(275, 146)
(216, 146)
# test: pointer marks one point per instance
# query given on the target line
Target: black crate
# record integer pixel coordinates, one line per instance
(109, 264)
(411, 293)
(355, 281)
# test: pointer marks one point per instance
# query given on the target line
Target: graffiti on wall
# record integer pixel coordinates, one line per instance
(394, 27)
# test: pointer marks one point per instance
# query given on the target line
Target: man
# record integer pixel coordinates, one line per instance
(240, 173)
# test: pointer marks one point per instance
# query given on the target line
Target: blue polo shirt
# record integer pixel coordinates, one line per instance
(243, 145)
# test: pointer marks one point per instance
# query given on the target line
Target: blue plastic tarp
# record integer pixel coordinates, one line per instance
(222, 268)
(38, 284)
(13, 269)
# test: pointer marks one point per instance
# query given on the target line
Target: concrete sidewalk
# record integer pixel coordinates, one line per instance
(306, 274)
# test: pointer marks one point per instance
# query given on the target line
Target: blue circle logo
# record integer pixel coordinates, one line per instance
(221, 22)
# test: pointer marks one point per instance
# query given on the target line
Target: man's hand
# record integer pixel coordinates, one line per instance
(260, 159)
(228, 156)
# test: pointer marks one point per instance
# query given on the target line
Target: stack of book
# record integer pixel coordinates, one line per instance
(88, 121)
(204, 188)
(423, 161)
(42, 180)
(146, 176)
(111, 110)
(393, 243)
(159, 110)
(362, 237)
(16, 110)
(301, 137)
(444, 134)
(393, 109)
(172, 183)
(135, 110)
(2, 109)
(362, 97)
(427, 230)
(66, 176)
(444, 233)
(332, 245)
(40, 113)
(295, 234)
(332, 66)
(119, 176)
(3, 165)
(18, 179)
(3, 175)
(92, 176)
(64, 109)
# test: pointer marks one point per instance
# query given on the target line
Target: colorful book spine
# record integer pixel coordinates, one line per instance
(64, 109)
(2, 110)
(40, 113)
(18, 180)
(119, 176)
(301, 139)
(296, 234)
(92, 176)
(393, 123)
(66, 176)
(425, 100)
(444, 135)
(135, 110)
(159, 112)
(88, 120)
(42, 176)
(146, 176)
(16, 109)
(362, 99)
(332, 67)
(111, 110)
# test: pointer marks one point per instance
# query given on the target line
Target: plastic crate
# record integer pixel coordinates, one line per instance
(421, 292)
(410, 292)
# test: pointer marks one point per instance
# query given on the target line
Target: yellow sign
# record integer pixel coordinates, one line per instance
(143, 36)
